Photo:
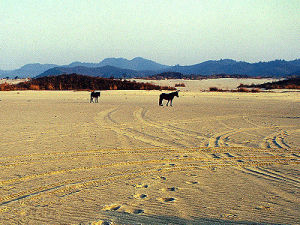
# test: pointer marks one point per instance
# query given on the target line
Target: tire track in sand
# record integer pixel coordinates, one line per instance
(276, 139)
(184, 134)
(73, 186)
(272, 175)
(123, 130)
(149, 167)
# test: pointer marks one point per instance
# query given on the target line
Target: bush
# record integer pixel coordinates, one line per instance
(255, 90)
(34, 87)
(180, 85)
(242, 89)
(214, 89)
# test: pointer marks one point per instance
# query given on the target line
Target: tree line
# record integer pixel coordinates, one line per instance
(80, 82)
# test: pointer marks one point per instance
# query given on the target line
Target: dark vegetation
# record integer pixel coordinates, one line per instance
(80, 82)
(291, 83)
(240, 89)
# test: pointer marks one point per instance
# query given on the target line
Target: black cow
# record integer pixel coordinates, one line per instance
(95, 95)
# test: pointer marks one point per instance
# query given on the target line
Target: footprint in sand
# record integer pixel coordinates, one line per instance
(191, 182)
(167, 199)
(141, 185)
(111, 208)
(141, 196)
(171, 189)
(138, 211)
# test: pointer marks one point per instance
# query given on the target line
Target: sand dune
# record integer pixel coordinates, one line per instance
(212, 158)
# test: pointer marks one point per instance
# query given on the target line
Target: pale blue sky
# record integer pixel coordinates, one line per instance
(170, 32)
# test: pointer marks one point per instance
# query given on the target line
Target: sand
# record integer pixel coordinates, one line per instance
(212, 158)
(205, 84)
(13, 81)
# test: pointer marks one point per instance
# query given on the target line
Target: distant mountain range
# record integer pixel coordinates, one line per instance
(229, 66)
(104, 71)
(29, 70)
(140, 67)
(112, 67)
(138, 64)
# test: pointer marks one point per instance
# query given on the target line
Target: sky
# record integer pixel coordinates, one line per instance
(169, 32)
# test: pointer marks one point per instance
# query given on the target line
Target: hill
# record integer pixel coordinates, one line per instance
(105, 71)
(80, 82)
(140, 67)
(277, 68)
(212, 69)
(138, 64)
(28, 70)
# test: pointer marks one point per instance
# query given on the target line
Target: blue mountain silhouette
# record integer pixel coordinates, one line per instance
(140, 67)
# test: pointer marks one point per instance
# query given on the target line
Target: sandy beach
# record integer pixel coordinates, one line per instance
(212, 158)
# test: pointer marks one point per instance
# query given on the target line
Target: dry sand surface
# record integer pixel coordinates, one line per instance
(212, 158)
(13, 81)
